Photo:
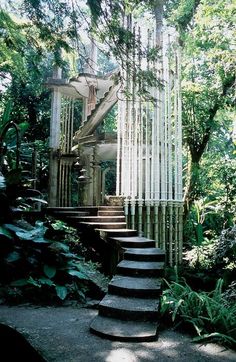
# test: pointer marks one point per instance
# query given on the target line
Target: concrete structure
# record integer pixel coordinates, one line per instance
(149, 135)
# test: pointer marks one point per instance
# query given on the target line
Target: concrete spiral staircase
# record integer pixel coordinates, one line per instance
(130, 310)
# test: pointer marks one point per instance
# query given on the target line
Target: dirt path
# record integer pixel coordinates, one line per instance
(62, 335)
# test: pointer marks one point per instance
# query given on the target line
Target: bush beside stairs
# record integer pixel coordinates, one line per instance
(130, 310)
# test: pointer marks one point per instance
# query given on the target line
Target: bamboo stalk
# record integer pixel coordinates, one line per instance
(140, 217)
(170, 192)
(126, 211)
(176, 134)
(176, 231)
(180, 232)
(118, 157)
(156, 214)
(163, 220)
(132, 213)
(170, 209)
(180, 185)
(72, 122)
(148, 213)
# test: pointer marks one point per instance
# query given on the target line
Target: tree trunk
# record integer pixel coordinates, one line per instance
(193, 180)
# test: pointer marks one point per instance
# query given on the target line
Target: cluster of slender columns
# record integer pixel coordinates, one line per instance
(149, 156)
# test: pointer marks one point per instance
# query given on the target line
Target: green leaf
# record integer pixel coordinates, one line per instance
(19, 283)
(6, 113)
(36, 234)
(34, 282)
(12, 227)
(13, 256)
(61, 292)
(59, 246)
(4, 232)
(176, 309)
(46, 281)
(78, 274)
(199, 234)
(59, 225)
(50, 271)
(41, 240)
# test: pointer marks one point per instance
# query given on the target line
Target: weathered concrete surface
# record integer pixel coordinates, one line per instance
(62, 334)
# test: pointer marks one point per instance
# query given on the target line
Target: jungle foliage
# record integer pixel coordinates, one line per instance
(51, 32)
(45, 263)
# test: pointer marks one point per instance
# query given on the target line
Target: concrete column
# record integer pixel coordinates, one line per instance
(54, 141)
(104, 173)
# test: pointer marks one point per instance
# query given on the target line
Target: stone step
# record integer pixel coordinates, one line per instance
(140, 268)
(110, 213)
(145, 254)
(70, 213)
(135, 287)
(101, 219)
(124, 331)
(131, 241)
(104, 225)
(62, 208)
(110, 233)
(108, 208)
(126, 308)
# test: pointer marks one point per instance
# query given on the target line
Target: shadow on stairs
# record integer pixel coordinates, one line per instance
(130, 310)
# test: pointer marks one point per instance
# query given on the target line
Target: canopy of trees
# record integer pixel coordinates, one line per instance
(36, 35)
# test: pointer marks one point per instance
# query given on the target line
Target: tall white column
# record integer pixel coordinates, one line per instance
(54, 141)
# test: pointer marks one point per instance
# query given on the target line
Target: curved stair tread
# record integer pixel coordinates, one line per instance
(107, 208)
(135, 283)
(129, 304)
(126, 331)
(104, 225)
(108, 233)
(141, 265)
(132, 239)
(110, 213)
(68, 213)
(144, 254)
(99, 219)
(146, 251)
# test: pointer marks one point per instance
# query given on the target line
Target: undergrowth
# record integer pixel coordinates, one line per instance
(211, 314)
(46, 263)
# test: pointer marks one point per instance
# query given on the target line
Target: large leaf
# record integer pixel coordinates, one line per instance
(13, 228)
(50, 271)
(61, 292)
(35, 234)
(5, 233)
(77, 274)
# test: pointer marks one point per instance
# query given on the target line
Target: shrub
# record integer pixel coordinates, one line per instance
(209, 313)
(45, 263)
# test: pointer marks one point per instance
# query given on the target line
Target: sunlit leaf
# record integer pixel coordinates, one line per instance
(61, 292)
